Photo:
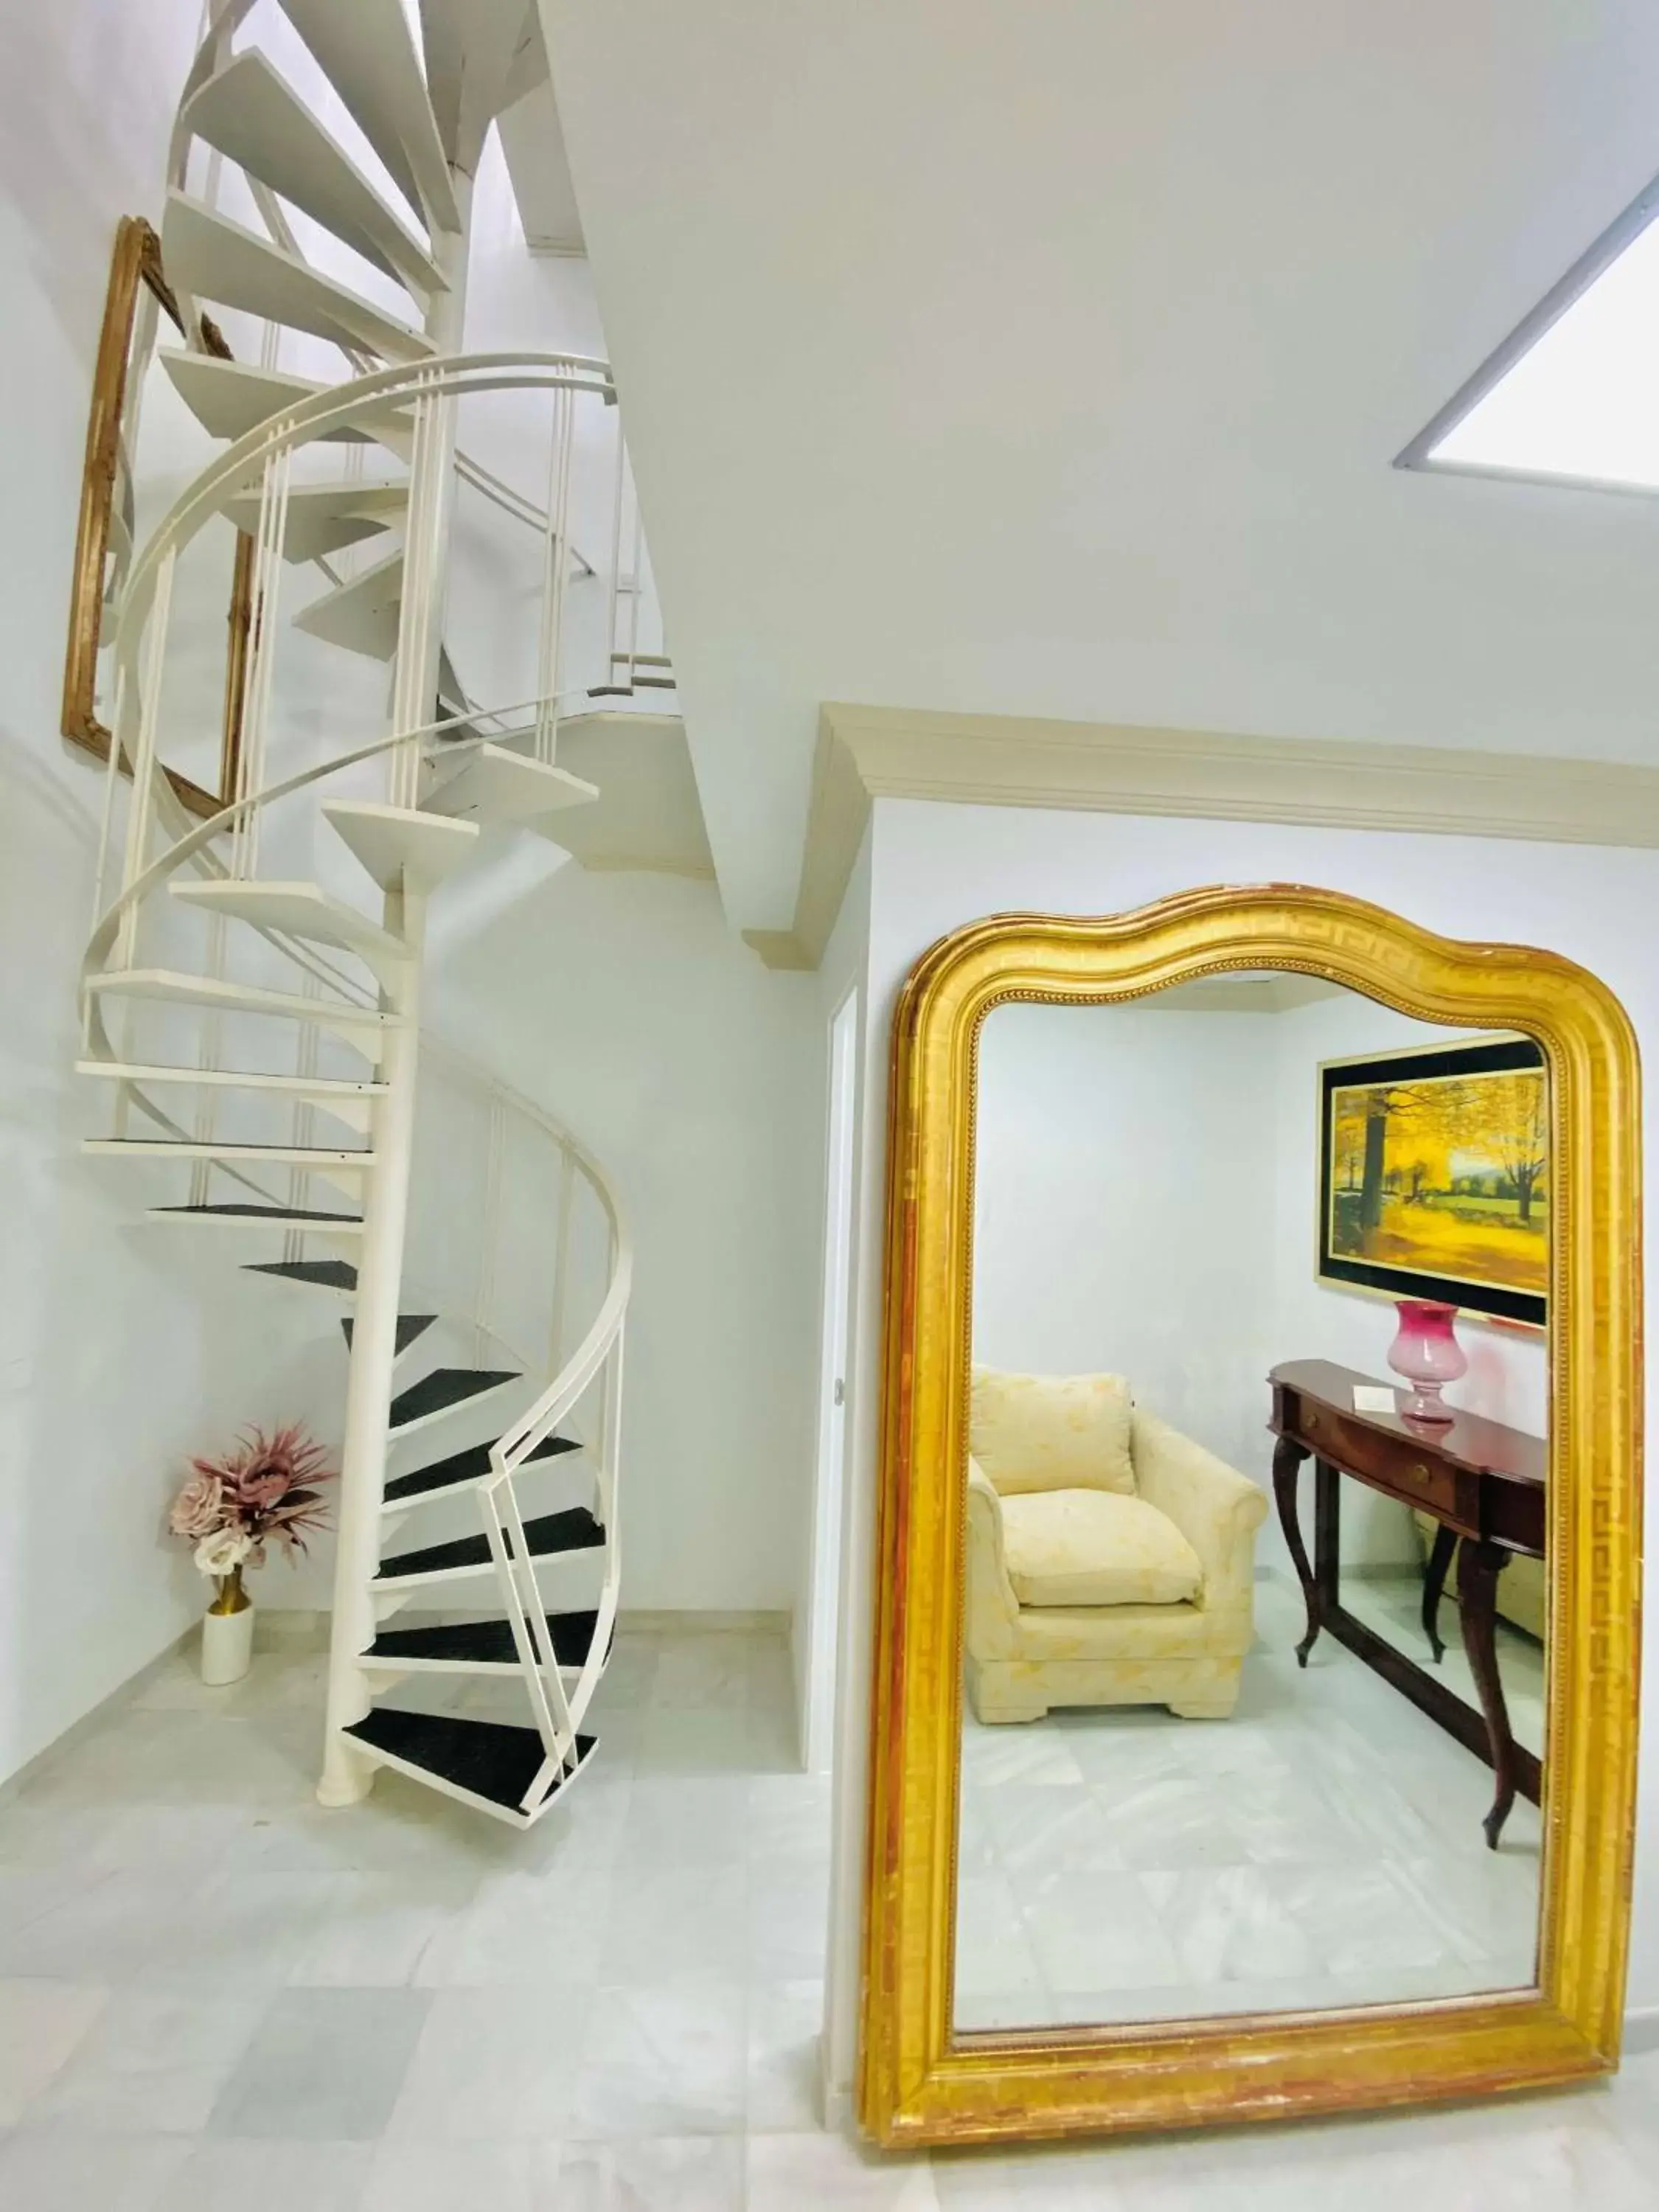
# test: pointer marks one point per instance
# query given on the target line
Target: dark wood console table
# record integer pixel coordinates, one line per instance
(1484, 1484)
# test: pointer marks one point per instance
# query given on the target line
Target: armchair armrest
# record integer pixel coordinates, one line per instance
(1216, 1508)
(992, 1623)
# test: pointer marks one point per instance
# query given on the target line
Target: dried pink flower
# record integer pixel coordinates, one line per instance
(198, 1510)
(265, 1490)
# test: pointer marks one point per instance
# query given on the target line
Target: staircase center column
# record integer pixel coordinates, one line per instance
(347, 1775)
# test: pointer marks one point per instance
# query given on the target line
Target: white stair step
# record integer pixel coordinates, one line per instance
(212, 258)
(298, 910)
(494, 785)
(367, 54)
(360, 614)
(362, 1027)
(228, 399)
(326, 518)
(471, 47)
(238, 1214)
(228, 1079)
(400, 847)
(249, 112)
(325, 1158)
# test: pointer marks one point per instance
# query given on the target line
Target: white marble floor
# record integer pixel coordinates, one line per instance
(213, 1995)
(1321, 1847)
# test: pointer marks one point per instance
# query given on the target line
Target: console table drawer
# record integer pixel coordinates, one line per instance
(1360, 1450)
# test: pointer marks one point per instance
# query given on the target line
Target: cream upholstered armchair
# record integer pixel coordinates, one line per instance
(1111, 1560)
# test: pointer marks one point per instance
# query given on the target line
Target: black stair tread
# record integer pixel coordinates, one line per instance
(326, 1274)
(409, 1326)
(266, 1212)
(489, 1759)
(466, 1466)
(445, 1387)
(574, 1529)
(488, 1642)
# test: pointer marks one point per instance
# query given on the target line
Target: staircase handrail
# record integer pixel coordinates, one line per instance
(437, 376)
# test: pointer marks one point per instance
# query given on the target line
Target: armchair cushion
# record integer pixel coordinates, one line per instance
(1038, 1432)
(1095, 1547)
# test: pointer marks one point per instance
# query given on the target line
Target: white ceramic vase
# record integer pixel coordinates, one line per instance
(227, 1646)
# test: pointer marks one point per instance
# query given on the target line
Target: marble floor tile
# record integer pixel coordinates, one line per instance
(41, 2025)
(664, 2062)
(789, 1817)
(788, 2173)
(1018, 1757)
(495, 2065)
(323, 2066)
(46, 2171)
(1229, 1925)
(785, 2021)
(686, 1820)
(703, 1671)
(1357, 1917)
(419, 2176)
(691, 2173)
(1175, 1821)
(1038, 1831)
(789, 1919)
(696, 1740)
(264, 2176)
(365, 1934)
(665, 1923)
(1098, 1931)
(545, 1928)
(993, 1945)
(155, 2063)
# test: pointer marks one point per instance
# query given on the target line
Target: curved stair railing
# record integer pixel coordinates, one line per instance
(294, 997)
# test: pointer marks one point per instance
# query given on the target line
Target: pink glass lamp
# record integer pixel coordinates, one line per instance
(1427, 1353)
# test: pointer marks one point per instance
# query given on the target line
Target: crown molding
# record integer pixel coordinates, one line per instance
(866, 753)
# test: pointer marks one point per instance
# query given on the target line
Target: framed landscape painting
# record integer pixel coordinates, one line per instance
(1434, 1177)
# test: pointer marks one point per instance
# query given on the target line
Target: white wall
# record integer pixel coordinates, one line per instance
(934, 867)
(1124, 1208)
(625, 1006)
(122, 1347)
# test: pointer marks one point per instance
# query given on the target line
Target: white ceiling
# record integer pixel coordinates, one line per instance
(1049, 359)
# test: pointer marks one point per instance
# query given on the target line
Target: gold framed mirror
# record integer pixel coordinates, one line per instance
(984, 1668)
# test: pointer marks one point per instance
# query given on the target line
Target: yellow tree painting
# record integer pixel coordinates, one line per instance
(1438, 1169)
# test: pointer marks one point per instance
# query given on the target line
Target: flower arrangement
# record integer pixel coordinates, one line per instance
(267, 1491)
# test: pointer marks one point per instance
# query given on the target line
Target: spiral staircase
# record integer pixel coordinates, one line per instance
(251, 989)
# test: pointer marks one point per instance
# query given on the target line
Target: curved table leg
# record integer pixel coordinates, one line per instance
(1478, 1565)
(1434, 1581)
(1288, 1456)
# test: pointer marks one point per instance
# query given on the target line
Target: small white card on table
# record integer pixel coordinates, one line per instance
(1372, 1398)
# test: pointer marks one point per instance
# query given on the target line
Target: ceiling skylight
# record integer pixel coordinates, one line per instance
(1573, 393)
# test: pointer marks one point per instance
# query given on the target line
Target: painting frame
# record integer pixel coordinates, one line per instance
(1465, 1061)
(136, 266)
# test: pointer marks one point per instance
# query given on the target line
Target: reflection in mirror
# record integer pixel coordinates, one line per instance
(1254, 1609)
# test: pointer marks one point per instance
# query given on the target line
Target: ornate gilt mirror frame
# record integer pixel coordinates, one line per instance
(922, 2082)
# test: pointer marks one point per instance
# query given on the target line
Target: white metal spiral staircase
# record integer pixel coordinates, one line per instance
(233, 1000)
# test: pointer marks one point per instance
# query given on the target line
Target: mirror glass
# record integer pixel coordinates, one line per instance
(1255, 1604)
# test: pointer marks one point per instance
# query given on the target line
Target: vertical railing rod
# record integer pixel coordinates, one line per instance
(485, 1299)
(144, 769)
(562, 1260)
